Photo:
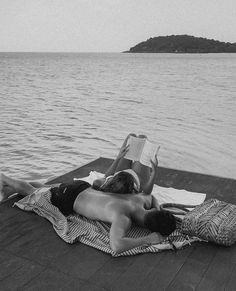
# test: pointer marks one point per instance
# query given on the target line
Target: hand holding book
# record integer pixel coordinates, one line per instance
(142, 150)
(125, 147)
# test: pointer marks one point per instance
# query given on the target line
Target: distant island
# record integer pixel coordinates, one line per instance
(182, 44)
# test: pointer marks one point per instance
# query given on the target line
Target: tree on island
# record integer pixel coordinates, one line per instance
(182, 44)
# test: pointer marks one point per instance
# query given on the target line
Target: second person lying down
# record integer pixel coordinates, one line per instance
(125, 176)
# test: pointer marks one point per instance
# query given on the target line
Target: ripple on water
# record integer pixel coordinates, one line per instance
(57, 114)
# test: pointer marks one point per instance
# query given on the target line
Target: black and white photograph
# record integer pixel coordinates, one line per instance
(117, 145)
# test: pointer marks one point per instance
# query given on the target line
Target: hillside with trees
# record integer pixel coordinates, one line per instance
(182, 44)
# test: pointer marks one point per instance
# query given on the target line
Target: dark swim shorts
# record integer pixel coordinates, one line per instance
(63, 197)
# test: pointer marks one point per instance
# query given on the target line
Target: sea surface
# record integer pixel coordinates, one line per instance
(59, 111)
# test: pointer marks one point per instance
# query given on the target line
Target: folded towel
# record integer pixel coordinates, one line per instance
(76, 228)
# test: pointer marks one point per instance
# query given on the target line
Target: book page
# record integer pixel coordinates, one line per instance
(149, 151)
(135, 148)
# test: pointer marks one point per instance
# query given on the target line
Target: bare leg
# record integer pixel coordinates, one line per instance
(124, 163)
(36, 184)
(9, 186)
(141, 170)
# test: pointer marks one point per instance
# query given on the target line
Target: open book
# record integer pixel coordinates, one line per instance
(142, 150)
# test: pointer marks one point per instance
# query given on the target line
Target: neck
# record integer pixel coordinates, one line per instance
(139, 216)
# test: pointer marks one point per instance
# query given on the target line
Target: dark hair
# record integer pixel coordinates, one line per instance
(160, 221)
(121, 183)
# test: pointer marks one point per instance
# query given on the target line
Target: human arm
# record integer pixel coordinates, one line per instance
(122, 152)
(147, 188)
(155, 203)
(113, 167)
(119, 242)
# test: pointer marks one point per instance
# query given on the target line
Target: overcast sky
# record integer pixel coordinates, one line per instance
(109, 25)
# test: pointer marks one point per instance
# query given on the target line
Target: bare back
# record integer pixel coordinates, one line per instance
(103, 206)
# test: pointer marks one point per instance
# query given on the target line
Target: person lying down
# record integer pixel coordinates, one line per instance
(126, 176)
(120, 210)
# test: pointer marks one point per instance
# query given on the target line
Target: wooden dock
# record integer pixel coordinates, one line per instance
(33, 257)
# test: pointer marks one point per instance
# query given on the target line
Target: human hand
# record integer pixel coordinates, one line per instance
(132, 134)
(142, 136)
(129, 135)
(127, 138)
(155, 203)
(154, 164)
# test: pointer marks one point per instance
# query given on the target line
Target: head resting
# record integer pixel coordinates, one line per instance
(122, 183)
(160, 221)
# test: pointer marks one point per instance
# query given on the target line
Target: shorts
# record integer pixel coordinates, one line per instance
(63, 197)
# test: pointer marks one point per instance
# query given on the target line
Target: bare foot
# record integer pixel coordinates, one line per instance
(5, 190)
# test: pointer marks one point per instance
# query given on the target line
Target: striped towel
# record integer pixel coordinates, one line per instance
(76, 228)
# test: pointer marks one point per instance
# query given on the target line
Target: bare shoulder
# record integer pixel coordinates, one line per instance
(121, 207)
(147, 200)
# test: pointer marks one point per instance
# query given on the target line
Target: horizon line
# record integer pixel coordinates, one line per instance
(61, 52)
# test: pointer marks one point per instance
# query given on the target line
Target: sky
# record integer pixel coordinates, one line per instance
(109, 25)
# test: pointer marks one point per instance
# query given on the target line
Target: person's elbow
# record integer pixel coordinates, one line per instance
(146, 191)
(117, 246)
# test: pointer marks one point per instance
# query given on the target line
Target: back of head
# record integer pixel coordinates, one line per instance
(160, 221)
(122, 183)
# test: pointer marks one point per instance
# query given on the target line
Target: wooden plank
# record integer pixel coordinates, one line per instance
(70, 267)
(12, 229)
(227, 253)
(15, 272)
(194, 268)
(217, 275)
(8, 264)
(138, 271)
(111, 271)
(125, 273)
(82, 261)
(22, 224)
(53, 280)
(231, 284)
(211, 185)
(164, 272)
(7, 211)
(42, 247)
(27, 235)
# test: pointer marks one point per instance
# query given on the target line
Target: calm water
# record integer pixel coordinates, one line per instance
(59, 111)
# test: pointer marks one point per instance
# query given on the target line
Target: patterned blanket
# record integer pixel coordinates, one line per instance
(76, 228)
